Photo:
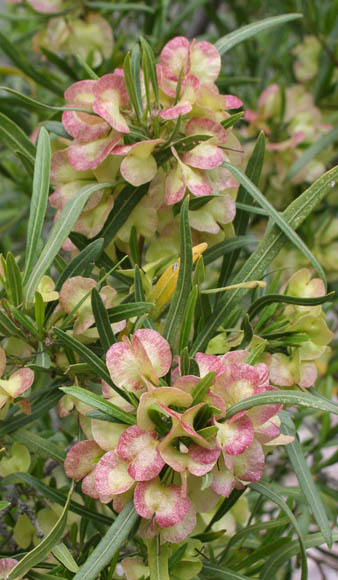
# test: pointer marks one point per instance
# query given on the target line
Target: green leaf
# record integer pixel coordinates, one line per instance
(212, 571)
(86, 355)
(149, 69)
(158, 559)
(19, 59)
(285, 553)
(263, 301)
(8, 328)
(176, 556)
(56, 497)
(312, 152)
(46, 403)
(133, 246)
(202, 387)
(248, 332)
(39, 200)
(80, 262)
(15, 139)
(109, 545)
(101, 404)
(225, 506)
(241, 221)
(37, 576)
(265, 490)
(305, 480)
(124, 204)
(289, 398)
(60, 63)
(267, 250)
(103, 325)
(226, 43)
(57, 128)
(139, 296)
(4, 505)
(251, 208)
(26, 321)
(275, 216)
(129, 310)
(135, 71)
(129, 68)
(281, 522)
(64, 556)
(57, 236)
(39, 445)
(183, 287)
(188, 319)
(40, 308)
(34, 104)
(232, 120)
(14, 280)
(45, 547)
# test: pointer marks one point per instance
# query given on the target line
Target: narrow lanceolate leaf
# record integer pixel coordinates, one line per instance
(42, 446)
(149, 67)
(225, 506)
(285, 553)
(188, 319)
(40, 308)
(201, 389)
(253, 171)
(312, 152)
(180, 298)
(46, 403)
(276, 217)
(34, 104)
(45, 547)
(8, 328)
(14, 280)
(158, 559)
(13, 137)
(96, 364)
(227, 42)
(87, 356)
(25, 321)
(262, 302)
(124, 204)
(21, 61)
(62, 553)
(288, 398)
(212, 571)
(103, 325)
(39, 200)
(305, 480)
(227, 247)
(101, 404)
(129, 310)
(267, 250)
(129, 69)
(109, 545)
(80, 262)
(58, 235)
(4, 505)
(267, 492)
(56, 497)
(139, 296)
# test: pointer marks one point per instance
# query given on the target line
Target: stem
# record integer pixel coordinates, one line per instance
(158, 559)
